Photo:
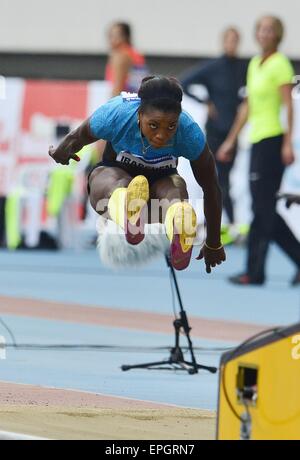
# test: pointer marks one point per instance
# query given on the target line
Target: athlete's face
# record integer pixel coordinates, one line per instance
(231, 41)
(266, 34)
(158, 127)
(115, 37)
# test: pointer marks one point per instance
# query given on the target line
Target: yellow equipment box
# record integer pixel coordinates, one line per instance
(259, 388)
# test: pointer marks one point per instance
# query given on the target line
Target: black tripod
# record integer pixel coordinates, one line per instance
(176, 359)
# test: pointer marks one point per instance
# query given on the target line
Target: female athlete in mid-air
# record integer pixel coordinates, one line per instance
(146, 134)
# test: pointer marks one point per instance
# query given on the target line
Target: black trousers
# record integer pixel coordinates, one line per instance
(214, 140)
(2, 220)
(266, 171)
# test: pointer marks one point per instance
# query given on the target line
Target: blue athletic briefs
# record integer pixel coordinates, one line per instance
(117, 122)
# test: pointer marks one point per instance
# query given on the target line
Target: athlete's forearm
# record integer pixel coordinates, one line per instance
(213, 213)
(286, 95)
(204, 170)
(239, 122)
(78, 138)
(72, 144)
(290, 121)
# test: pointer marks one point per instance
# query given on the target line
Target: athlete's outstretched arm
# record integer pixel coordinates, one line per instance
(72, 144)
(204, 170)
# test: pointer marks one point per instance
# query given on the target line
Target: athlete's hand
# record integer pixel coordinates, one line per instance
(212, 111)
(287, 153)
(224, 153)
(62, 155)
(212, 257)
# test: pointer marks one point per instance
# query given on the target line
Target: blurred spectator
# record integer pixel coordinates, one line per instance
(126, 67)
(2, 221)
(223, 79)
(269, 88)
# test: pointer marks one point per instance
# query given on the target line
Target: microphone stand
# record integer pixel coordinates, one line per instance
(176, 359)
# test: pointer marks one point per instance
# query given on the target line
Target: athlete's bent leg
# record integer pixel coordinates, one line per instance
(169, 203)
(124, 197)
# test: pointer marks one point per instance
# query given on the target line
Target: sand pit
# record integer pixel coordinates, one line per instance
(66, 414)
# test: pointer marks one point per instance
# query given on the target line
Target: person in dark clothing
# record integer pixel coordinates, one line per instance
(269, 89)
(224, 79)
(290, 199)
(2, 221)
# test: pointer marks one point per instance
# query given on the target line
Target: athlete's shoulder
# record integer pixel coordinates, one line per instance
(217, 62)
(255, 60)
(107, 117)
(282, 69)
(137, 57)
(125, 103)
(186, 120)
(191, 138)
(123, 97)
(112, 104)
(281, 59)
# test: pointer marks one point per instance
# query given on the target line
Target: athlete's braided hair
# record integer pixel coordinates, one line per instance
(162, 93)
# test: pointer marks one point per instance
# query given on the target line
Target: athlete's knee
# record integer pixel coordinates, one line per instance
(178, 190)
(170, 188)
(121, 182)
(102, 188)
(98, 201)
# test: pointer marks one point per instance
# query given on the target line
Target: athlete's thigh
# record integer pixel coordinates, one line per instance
(103, 181)
(170, 187)
(164, 192)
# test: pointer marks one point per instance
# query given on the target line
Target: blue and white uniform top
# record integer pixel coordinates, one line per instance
(117, 122)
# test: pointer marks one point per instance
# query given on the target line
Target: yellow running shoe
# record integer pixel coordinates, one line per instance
(181, 226)
(137, 196)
